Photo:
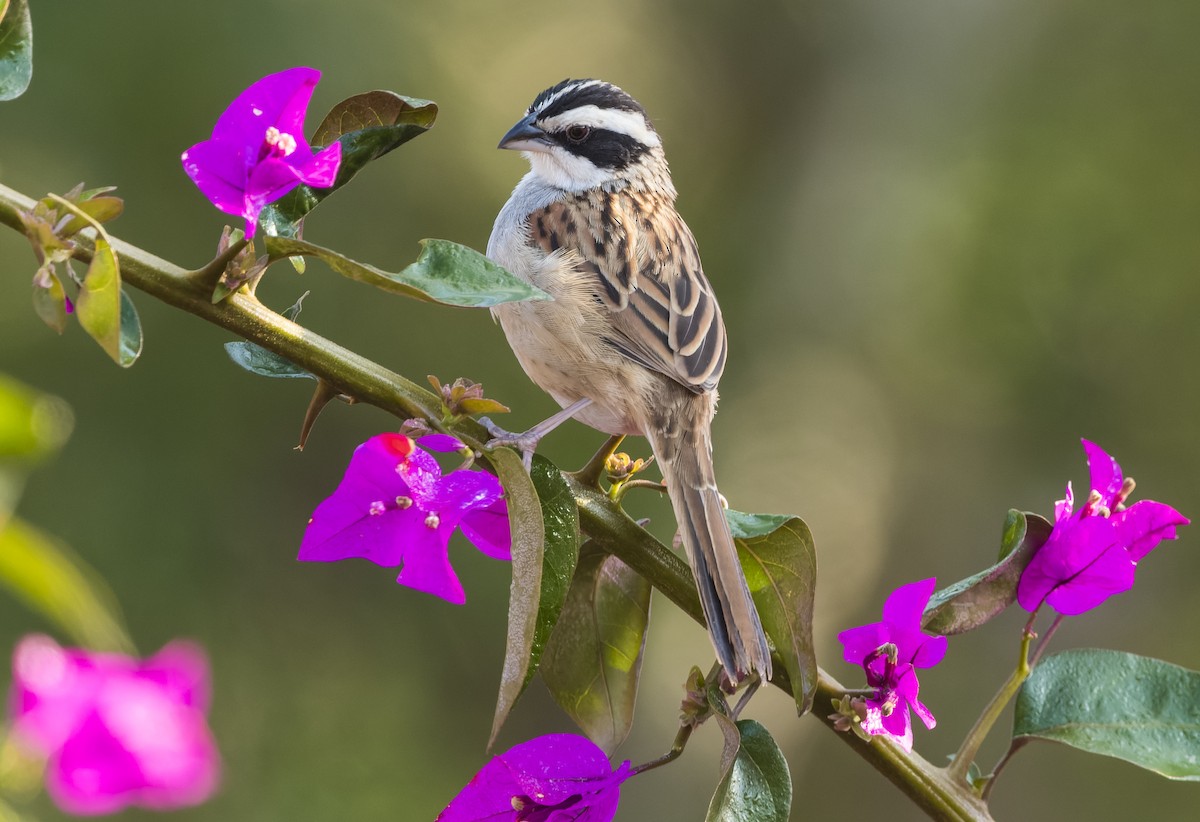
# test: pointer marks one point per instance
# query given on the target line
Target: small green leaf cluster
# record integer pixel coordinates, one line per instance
(104, 309)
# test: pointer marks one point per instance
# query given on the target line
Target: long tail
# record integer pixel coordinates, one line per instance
(684, 453)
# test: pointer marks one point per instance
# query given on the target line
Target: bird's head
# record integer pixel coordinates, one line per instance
(585, 134)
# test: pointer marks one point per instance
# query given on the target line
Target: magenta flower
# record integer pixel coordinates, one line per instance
(889, 652)
(115, 731)
(394, 507)
(1092, 553)
(554, 778)
(257, 152)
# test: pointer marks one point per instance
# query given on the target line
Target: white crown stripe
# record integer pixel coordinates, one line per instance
(574, 87)
(630, 123)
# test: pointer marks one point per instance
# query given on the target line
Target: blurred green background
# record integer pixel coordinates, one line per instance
(949, 240)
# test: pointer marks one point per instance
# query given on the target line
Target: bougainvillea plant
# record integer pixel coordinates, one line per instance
(113, 730)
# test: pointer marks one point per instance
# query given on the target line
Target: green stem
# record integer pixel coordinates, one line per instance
(590, 474)
(600, 518)
(681, 740)
(957, 770)
(1044, 641)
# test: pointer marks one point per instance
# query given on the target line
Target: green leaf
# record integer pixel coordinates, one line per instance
(528, 530)
(131, 332)
(756, 785)
(749, 526)
(971, 602)
(49, 298)
(50, 580)
(1134, 708)
(16, 50)
(258, 360)
(594, 658)
(560, 520)
(368, 126)
(32, 426)
(446, 273)
(104, 312)
(780, 563)
(99, 208)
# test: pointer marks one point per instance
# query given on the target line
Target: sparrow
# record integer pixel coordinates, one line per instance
(632, 341)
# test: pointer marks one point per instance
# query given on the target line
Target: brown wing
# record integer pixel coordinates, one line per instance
(647, 267)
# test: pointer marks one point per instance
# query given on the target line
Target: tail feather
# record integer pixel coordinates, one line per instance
(733, 622)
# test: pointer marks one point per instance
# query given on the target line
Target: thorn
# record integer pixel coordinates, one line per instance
(321, 397)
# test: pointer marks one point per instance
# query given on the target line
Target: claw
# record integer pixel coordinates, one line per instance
(525, 443)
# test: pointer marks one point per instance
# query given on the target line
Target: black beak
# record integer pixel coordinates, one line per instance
(524, 136)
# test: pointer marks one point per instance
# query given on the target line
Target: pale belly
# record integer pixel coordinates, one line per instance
(559, 350)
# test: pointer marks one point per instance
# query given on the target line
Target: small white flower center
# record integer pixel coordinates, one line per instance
(432, 520)
(376, 508)
(282, 142)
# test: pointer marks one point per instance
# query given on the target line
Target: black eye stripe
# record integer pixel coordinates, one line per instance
(604, 148)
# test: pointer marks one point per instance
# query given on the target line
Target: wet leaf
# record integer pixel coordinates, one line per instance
(368, 126)
(756, 784)
(16, 50)
(780, 562)
(594, 658)
(973, 601)
(445, 272)
(560, 529)
(47, 577)
(1134, 708)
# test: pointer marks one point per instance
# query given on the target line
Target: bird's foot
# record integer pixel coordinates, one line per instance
(524, 443)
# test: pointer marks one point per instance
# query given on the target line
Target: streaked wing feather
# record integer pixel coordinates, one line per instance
(648, 273)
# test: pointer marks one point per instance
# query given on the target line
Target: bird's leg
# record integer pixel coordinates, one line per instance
(526, 442)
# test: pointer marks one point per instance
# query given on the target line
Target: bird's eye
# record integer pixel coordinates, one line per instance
(577, 134)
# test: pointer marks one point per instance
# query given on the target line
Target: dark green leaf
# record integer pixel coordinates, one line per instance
(780, 562)
(258, 360)
(368, 126)
(49, 298)
(99, 306)
(445, 272)
(131, 332)
(560, 520)
(1134, 708)
(528, 530)
(16, 50)
(51, 581)
(757, 785)
(748, 526)
(594, 657)
(1015, 527)
(971, 602)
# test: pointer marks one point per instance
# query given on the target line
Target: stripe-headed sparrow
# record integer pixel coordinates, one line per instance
(633, 341)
